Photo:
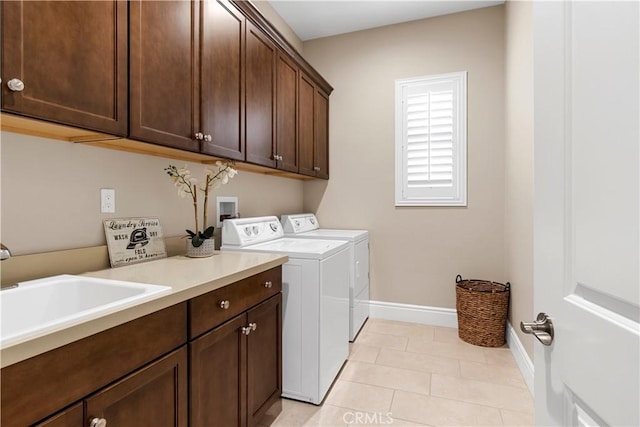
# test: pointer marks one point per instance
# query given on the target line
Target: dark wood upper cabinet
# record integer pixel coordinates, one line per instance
(71, 58)
(321, 139)
(286, 102)
(313, 128)
(260, 55)
(164, 72)
(153, 396)
(222, 79)
(306, 93)
(212, 77)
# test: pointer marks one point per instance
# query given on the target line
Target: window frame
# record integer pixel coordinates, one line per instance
(433, 196)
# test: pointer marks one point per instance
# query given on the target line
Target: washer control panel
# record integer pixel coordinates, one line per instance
(294, 224)
(247, 231)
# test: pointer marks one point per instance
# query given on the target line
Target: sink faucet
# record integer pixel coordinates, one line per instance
(5, 253)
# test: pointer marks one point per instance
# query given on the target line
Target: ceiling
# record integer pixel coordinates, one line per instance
(312, 19)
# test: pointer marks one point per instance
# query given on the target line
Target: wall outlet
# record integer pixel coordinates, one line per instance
(107, 200)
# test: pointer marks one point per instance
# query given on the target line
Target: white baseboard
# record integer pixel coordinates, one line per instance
(448, 318)
(436, 316)
(523, 360)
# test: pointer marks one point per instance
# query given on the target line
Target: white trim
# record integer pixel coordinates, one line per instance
(448, 318)
(436, 316)
(524, 362)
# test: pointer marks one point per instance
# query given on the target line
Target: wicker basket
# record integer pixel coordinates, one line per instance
(482, 311)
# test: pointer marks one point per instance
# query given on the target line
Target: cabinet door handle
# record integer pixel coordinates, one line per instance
(246, 330)
(268, 284)
(208, 138)
(98, 422)
(316, 168)
(16, 85)
(199, 136)
(224, 304)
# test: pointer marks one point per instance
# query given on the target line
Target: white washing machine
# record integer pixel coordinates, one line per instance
(315, 287)
(306, 226)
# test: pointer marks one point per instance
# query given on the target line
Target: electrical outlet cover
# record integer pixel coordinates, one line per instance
(107, 200)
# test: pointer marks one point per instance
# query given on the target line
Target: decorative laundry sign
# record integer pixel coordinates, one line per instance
(134, 240)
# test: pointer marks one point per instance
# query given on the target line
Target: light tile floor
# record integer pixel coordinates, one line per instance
(405, 374)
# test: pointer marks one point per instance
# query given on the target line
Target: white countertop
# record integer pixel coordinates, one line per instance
(188, 278)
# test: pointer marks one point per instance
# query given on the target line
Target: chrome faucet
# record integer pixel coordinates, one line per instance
(5, 253)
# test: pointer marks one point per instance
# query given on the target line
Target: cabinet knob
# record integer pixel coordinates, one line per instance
(98, 422)
(208, 138)
(268, 284)
(199, 136)
(246, 330)
(15, 85)
(224, 304)
(316, 168)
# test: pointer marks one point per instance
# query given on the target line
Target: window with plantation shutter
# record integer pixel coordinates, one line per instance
(431, 139)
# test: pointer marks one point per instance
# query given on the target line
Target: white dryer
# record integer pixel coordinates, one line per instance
(306, 226)
(315, 287)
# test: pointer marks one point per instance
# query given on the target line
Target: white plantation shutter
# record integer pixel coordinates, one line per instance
(431, 140)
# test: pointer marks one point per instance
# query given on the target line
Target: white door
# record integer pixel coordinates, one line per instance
(586, 215)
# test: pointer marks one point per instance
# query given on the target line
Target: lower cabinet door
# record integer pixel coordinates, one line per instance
(264, 357)
(218, 376)
(70, 417)
(155, 395)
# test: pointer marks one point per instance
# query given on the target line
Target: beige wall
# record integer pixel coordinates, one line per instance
(272, 16)
(51, 193)
(519, 163)
(415, 252)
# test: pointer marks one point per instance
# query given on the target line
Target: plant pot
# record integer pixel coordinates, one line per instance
(206, 249)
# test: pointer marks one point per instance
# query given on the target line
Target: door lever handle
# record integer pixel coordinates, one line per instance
(542, 328)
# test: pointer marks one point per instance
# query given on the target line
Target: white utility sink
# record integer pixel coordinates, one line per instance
(39, 306)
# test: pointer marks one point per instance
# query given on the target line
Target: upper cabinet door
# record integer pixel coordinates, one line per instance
(259, 114)
(306, 92)
(321, 139)
(164, 73)
(286, 101)
(71, 60)
(222, 79)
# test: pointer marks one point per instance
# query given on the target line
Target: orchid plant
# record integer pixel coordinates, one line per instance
(188, 188)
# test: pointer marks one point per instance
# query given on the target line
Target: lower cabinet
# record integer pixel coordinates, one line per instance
(153, 396)
(241, 358)
(214, 360)
(70, 417)
(264, 358)
(156, 395)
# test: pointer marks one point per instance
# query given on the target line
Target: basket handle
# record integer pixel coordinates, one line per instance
(458, 278)
(507, 286)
